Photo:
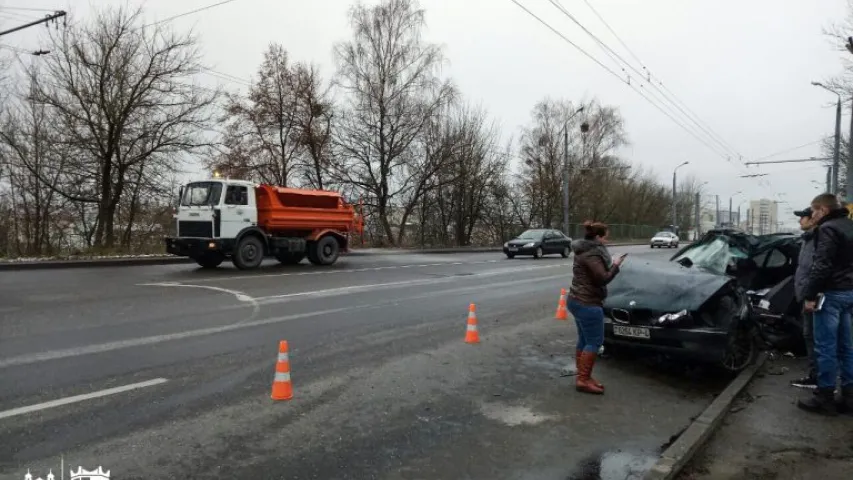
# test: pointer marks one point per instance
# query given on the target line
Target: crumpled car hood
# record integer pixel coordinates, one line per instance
(661, 286)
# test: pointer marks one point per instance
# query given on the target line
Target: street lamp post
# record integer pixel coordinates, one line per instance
(729, 215)
(836, 156)
(674, 199)
(566, 172)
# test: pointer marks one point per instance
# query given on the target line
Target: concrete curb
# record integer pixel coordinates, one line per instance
(676, 457)
(171, 260)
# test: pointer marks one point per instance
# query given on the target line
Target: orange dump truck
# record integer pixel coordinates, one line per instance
(236, 219)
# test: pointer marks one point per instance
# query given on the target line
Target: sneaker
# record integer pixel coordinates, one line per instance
(822, 402)
(805, 382)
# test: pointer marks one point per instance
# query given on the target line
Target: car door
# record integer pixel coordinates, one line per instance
(551, 242)
(562, 241)
(237, 211)
(776, 267)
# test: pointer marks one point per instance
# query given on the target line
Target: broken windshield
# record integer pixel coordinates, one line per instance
(715, 255)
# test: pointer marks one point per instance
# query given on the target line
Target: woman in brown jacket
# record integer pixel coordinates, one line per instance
(593, 269)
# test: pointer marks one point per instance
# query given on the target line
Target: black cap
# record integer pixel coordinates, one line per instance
(806, 212)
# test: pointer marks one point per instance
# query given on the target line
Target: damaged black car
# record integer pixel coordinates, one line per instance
(721, 300)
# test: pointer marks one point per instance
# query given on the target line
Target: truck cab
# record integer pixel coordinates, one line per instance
(224, 218)
(216, 209)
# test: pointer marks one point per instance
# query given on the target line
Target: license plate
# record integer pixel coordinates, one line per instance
(513, 249)
(635, 332)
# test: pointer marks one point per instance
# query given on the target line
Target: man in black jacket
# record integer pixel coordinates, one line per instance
(828, 292)
(804, 265)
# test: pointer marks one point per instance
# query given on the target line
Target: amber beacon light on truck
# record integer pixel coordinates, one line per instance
(219, 219)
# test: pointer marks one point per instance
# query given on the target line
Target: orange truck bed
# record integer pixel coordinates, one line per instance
(282, 209)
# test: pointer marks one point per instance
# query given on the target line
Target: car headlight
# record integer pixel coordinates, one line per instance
(506, 245)
(672, 317)
(528, 245)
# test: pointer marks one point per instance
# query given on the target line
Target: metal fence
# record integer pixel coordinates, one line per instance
(489, 237)
(619, 231)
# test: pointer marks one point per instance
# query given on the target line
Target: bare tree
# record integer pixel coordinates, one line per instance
(456, 202)
(391, 79)
(120, 101)
(33, 164)
(591, 158)
(262, 129)
(315, 111)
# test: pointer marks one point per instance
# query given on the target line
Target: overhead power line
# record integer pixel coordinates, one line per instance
(725, 147)
(191, 12)
(788, 150)
(646, 76)
(624, 80)
(46, 19)
(27, 9)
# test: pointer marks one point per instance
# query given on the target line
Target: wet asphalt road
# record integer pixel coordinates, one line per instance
(384, 385)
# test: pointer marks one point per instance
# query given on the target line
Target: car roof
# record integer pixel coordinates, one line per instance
(754, 243)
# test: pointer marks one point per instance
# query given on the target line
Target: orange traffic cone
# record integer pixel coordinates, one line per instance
(472, 335)
(282, 389)
(562, 312)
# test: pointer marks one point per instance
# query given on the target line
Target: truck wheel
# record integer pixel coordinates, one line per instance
(288, 258)
(324, 251)
(249, 253)
(210, 260)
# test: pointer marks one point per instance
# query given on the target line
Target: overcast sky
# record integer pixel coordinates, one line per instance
(743, 67)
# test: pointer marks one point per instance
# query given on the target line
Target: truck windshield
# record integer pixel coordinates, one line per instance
(202, 193)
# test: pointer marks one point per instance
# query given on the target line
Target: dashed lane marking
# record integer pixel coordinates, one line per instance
(80, 398)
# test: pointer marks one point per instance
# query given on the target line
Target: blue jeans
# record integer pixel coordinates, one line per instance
(590, 322)
(833, 340)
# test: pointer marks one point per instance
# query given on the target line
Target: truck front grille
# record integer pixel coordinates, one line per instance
(195, 228)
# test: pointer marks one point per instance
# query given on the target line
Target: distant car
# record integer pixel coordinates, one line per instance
(539, 242)
(664, 239)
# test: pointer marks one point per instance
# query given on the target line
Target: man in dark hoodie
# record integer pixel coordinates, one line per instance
(593, 269)
(828, 292)
(804, 264)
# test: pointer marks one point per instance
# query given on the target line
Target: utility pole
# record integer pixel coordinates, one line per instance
(848, 194)
(566, 180)
(829, 178)
(674, 207)
(837, 154)
(566, 226)
(738, 216)
(717, 220)
(729, 214)
(675, 200)
(696, 215)
(46, 19)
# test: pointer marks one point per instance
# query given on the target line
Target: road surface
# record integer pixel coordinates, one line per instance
(165, 372)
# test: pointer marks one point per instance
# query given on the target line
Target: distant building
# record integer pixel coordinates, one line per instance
(763, 217)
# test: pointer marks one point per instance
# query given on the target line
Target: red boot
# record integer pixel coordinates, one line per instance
(583, 381)
(577, 368)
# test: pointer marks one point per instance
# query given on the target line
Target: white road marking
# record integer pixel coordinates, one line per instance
(342, 271)
(242, 297)
(357, 288)
(80, 398)
(344, 290)
(138, 342)
(155, 339)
